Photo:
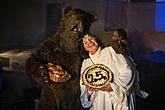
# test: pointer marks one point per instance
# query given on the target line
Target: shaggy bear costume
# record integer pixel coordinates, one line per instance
(64, 49)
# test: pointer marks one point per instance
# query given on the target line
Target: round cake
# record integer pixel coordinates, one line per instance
(97, 76)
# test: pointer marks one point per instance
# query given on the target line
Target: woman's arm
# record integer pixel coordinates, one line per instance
(123, 82)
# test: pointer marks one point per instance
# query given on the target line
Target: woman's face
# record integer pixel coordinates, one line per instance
(90, 45)
(116, 36)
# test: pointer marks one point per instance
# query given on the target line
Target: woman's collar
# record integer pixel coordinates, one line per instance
(97, 54)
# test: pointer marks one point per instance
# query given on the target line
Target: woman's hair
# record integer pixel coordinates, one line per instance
(120, 46)
(122, 33)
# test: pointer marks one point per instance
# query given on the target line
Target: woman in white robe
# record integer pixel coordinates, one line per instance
(118, 94)
(119, 44)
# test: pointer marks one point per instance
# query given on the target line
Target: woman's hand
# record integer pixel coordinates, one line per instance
(90, 88)
(107, 88)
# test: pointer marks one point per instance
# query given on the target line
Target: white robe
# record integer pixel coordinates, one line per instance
(137, 89)
(122, 97)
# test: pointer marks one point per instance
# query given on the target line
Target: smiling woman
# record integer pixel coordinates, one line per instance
(99, 91)
(90, 44)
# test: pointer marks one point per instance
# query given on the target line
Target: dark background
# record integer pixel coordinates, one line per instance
(25, 24)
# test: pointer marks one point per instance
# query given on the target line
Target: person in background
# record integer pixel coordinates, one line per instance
(118, 94)
(119, 43)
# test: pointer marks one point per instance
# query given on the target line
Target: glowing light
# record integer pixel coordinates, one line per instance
(160, 17)
(160, 0)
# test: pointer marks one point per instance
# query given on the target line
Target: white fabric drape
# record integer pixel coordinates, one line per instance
(123, 78)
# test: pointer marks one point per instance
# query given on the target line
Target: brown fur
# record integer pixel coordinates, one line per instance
(64, 49)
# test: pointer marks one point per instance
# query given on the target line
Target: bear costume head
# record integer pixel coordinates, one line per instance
(74, 24)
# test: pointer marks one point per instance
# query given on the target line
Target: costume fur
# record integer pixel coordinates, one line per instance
(64, 49)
